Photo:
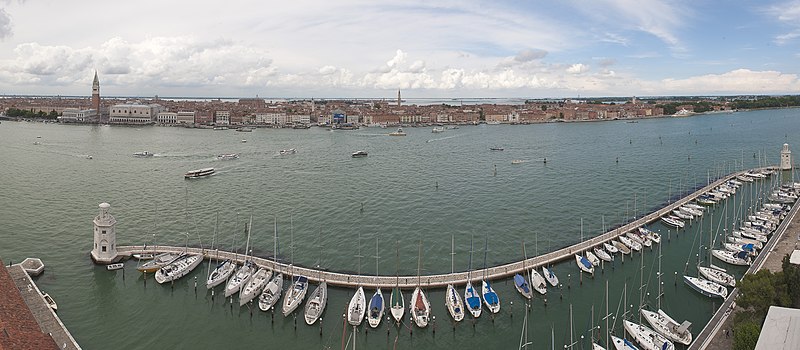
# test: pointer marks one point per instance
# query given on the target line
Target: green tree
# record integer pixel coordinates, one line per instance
(761, 290)
(544, 108)
(745, 335)
(791, 276)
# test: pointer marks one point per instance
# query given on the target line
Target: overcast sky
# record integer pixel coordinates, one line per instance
(372, 48)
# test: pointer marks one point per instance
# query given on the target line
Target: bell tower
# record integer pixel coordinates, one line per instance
(96, 94)
(105, 236)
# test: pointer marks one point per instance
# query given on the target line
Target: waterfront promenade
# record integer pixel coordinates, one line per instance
(437, 280)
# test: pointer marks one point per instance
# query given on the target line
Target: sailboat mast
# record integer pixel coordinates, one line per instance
(419, 264)
(452, 253)
(247, 246)
(275, 244)
(571, 341)
(607, 314)
(214, 240)
(376, 260)
(485, 251)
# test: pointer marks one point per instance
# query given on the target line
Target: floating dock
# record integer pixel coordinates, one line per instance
(440, 280)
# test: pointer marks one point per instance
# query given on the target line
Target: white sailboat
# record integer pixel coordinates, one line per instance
(584, 264)
(420, 306)
(490, 297)
(740, 258)
(609, 247)
(622, 344)
(243, 274)
(592, 258)
(647, 338)
(357, 307)
(667, 327)
(550, 276)
(718, 275)
(538, 282)
(706, 287)
(602, 254)
(178, 268)
(452, 300)
(624, 249)
(272, 292)
(629, 243)
(255, 286)
(222, 270)
(319, 298)
(471, 296)
(376, 303)
(398, 307)
(297, 292)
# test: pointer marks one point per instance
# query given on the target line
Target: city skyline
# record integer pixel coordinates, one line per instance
(370, 50)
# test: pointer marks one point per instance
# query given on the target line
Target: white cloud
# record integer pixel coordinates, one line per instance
(788, 13)
(577, 68)
(734, 82)
(5, 24)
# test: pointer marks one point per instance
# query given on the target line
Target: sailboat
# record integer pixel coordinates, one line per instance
(223, 269)
(538, 282)
(520, 282)
(622, 344)
(255, 286)
(550, 276)
(376, 303)
(706, 287)
(358, 304)
(297, 292)
(665, 325)
(452, 300)
(398, 307)
(243, 274)
(319, 298)
(490, 297)
(718, 275)
(584, 264)
(272, 292)
(420, 306)
(610, 248)
(178, 268)
(647, 338)
(471, 296)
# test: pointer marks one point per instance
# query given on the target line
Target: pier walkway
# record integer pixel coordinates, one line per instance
(439, 280)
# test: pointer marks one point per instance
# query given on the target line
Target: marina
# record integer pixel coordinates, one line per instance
(400, 213)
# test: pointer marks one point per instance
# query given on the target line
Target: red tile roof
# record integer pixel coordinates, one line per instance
(18, 328)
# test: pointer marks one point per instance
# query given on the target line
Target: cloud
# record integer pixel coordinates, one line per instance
(734, 82)
(788, 13)
(5, 24)
(530, 55)
(577, 68)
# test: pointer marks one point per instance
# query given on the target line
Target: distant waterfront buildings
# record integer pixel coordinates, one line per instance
(134, 113)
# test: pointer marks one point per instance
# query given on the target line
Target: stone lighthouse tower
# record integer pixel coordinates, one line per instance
(105, 236)
(786, 157)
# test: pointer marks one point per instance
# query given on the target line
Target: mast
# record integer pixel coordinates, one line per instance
(419, 265)
(485, 250)
(471, 248)
(397, 263)
(452, 253)
(376, 261)
(275, 244)
(291, 241)
(607, 314)
(216, 223)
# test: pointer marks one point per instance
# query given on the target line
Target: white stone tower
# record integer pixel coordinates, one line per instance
(105, 236)
(786, 157)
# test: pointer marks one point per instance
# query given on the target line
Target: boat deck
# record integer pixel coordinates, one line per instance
(441, 280)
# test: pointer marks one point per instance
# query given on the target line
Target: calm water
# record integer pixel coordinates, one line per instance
(424, 187)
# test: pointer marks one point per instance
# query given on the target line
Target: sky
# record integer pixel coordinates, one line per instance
(426, 49)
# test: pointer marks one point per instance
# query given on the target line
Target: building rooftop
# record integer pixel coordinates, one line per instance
(18, 327)
(781, 330)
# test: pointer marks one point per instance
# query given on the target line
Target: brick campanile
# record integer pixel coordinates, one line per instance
(96, 94)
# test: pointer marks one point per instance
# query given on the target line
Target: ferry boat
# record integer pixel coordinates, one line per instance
(359, 154)
(228, 156)
(198, 173)
(399, 132)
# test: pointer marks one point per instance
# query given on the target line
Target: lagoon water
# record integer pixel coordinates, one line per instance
(424, 187)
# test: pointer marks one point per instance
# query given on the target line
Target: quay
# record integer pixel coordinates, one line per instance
(437, 280)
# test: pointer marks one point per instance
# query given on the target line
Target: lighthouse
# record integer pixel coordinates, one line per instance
(105, 236)
(786, 157)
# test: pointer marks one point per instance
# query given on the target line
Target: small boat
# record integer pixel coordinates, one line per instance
(550, 276)
(271, 293)
(49, 300)
(740, 258)
(490, 297)
(673, 221)
(667, 327)
(316, 303)
(158, 262)
(630, 243)
(592, 258)
(244, 141)
(376, 308)
(220, 274)
(609, 246)
(496, 148)
(473, 300)
(756, 244)
(116, 266)
(240, 278)
(244, 129)
(198, 173)
(522, 286)
(295, 295)
(399, 132)
(285, 152)
(538, 282)
(88, 156)
(398, 307)
(178, 268)
(706, 287)
(357, 308)
(359, 154)
(621, 247)
(584, 264)
(436, 130)
(622, 344)
(454, 303)
(420, 308)
(717, 275)
(254, 287)
(517, 161)
(647, 338)
(228, 156)
(602, 254)
(143, 154)
(682, 215)
(143, 256)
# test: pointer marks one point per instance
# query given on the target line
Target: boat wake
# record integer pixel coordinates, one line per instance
(443, 138)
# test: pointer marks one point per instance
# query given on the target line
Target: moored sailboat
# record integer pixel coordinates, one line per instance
(420, 306)
(647, 338)
(452, 300)
(550, 276)
(667, 327)
(178, 268)
(357, 307)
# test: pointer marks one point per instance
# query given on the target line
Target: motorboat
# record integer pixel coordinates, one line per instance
(602, 254)
(669, 328)
(399, 132)
(437, 130)
(622, 344)
(295, 295)
(490, 297)
(271, 293)
(517, 161)
(49, 300)
(159, 261)
(357, 307)
(421, 308)
(495, 148)
(143, 256)
(717, 275)
(647, 338)
(191, 174)
(522, 285)
(473, 300)
(550, 276)
(316, 303)
(178, 268)
(240, 278)
(454, 303)
(538, 282)
(220, 274)
(398, 307)
(734, 258)
(592, 258)
(609, 247)
(376, 308)
(255, 286)
(228, 156)
(143, 154)
(706, 287)
(116, 266)
(286, 152)
(584, 264)
(359, 154)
